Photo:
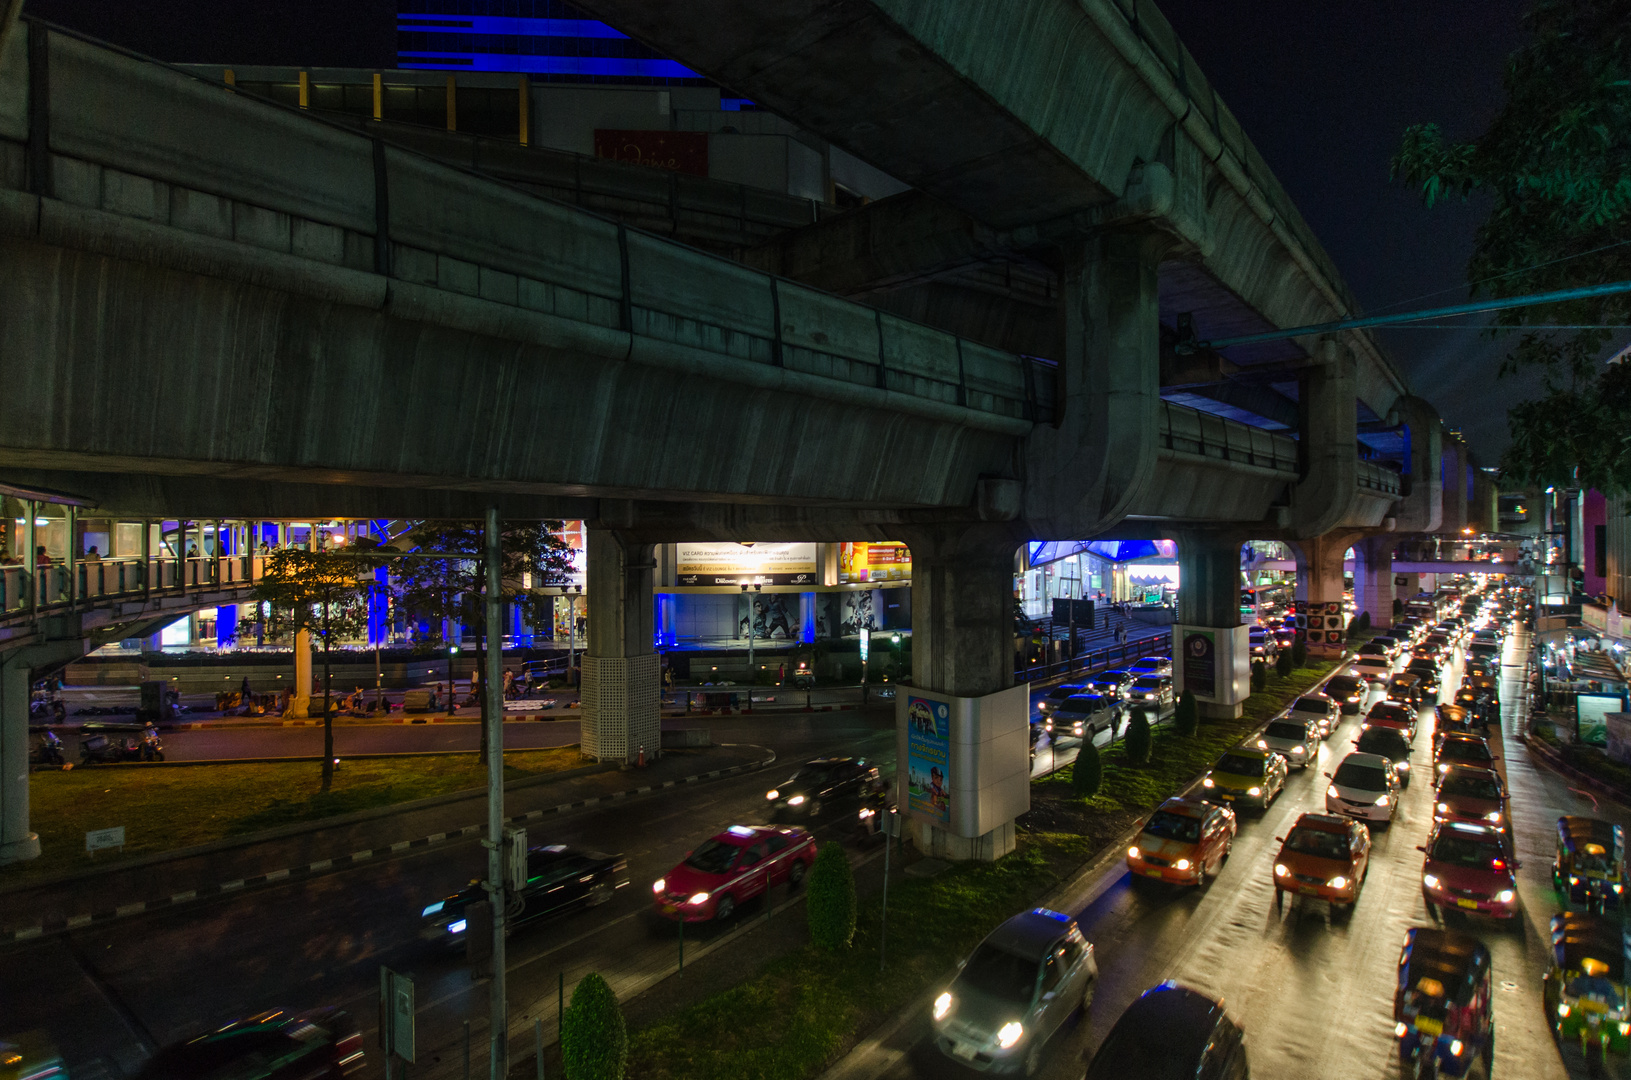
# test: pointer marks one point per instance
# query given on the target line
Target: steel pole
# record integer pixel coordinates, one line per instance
(500, 1023)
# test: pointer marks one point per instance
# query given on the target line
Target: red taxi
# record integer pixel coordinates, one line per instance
(1469, 867)
(741, 863)
(1183, 842)
(1394, 715)
(1469, 793)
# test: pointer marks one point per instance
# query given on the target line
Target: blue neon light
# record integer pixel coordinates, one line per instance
(547, 65)
(499, 24)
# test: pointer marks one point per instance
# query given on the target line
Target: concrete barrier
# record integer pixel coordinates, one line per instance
(686, 738)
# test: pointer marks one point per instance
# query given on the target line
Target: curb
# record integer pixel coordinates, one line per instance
(1553, 760)
(322, 866)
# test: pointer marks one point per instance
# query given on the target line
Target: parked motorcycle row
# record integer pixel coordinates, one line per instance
(99, 746)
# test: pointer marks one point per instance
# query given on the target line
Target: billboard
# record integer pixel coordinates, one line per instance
(732, 564)
(866, 561)
(1200, 663)
(676, 151)
(928, 759)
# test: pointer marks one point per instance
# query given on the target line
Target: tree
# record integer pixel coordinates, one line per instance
(454, 589)
(1260, 676)
(1282, 663)
(320, 592)
(1555, 167)
(1186, 718)
(1299, 650)
(1087, 774)
(1364, 621)
(1138, 742)
(830, 905)
(594, 1037)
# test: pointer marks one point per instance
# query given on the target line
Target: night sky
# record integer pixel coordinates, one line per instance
(1324, 90)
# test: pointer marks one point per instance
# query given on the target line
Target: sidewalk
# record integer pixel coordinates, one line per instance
(130, 887)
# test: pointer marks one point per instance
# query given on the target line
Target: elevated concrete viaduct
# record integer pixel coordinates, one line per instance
(214, 305)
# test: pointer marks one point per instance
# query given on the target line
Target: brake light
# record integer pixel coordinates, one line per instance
(1497, 864)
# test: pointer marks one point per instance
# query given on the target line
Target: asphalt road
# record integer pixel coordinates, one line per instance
(116, 992)
(1315, 995)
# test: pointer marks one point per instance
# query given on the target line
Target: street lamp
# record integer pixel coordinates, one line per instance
(756, 587)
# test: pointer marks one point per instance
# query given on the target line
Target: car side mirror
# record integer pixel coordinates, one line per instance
(1279, 839)
(1421, 848)
(1327, 776)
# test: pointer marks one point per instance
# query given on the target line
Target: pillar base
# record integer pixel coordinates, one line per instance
(20, 850)
(621, 699)
(1213, 710)
(941, 843)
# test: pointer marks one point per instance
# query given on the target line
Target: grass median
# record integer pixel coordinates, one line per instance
(800, 1011)
(164, 808)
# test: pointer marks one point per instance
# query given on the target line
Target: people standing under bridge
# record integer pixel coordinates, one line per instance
(93, 555)
(40, 556)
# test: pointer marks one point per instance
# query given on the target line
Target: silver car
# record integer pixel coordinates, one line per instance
(1294, 739)
(1014, 991)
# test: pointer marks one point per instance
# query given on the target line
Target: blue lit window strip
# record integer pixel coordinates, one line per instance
(498, 24)
(616, 66)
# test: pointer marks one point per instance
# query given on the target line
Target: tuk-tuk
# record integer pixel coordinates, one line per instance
(1584, 989)
(1452, 718)
(1442, 1012)
(1590, 864)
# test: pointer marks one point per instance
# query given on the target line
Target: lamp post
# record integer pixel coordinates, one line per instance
(756, 587)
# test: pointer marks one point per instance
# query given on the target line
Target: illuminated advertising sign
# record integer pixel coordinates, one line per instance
(928, 759)
(732, 564)
(865, 561)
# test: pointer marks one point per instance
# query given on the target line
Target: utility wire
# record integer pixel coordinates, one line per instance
(1469, 286)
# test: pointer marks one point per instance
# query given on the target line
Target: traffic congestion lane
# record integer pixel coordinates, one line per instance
(1313, 990)
(321, 940)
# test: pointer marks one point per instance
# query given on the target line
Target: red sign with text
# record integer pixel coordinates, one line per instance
(677, 151)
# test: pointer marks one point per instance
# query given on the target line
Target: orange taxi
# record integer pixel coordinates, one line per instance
(1323, 856)
(1183, 842)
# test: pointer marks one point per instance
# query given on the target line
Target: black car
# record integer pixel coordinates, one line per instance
(1347, 692)
(1389, 743)
(1428, 672)
(1050, 701)
(821, 783)
(559, 878)
(321, 1043)
(1172, 1033)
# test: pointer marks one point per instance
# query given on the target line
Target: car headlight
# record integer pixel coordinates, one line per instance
(1132, 852)
(1181, 864)
(698, 898)
(1298, 750)
(773, 794)
(796, 800)
(457, 927)
(1010, 1033)
(1331, 792)
(1573, 880)
(1207, 782)
(1443, 767)
(1401, 1029)
(1280, 869)
(1382, 799)
(1505, 896)
(942, 1005)
(1444, 808)
(1430, 880)
(1456, 1047)
(658, 885)
(432, 909)
(1494, 817)
(1562, 1008)
(1254, 792)
(1338, 882)
(1262, 745)
(1404, 766)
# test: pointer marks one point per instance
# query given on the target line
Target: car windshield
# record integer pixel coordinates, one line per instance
(1326, 845)
(1470, 785)
(1422, 667)
(1059, 693)
(1170, 826)
(999, 973)
(1464, 849)
(1312, 704)
(1342, 686)
(1240, 765)
(1352, 774)
(1149, 682)
(1287, 730)
(1083, 703)
(1465, 750)
(814, 774)
(713, 857)
(1596, 988)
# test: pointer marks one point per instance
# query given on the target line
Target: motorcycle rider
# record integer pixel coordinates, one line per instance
(51, 748)
(152, 749)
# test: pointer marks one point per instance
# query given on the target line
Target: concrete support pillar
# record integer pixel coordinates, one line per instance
(1455, 486)
(1211, 649)
(1320, 587)
(1373, 578)
(300, 704)
(621, 682)
(17, 842)
(1329, 425)
(962, 716)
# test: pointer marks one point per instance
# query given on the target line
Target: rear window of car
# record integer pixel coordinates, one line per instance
(1286, 729)
(1313, 704)
(1364, 777)
(1342, 686)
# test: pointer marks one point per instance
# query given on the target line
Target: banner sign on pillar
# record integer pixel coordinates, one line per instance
(928, 758)
(1322, 619)
(1201, 663)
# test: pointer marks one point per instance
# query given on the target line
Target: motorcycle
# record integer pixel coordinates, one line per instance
(152, 748)
(99, 749)
(50, 751)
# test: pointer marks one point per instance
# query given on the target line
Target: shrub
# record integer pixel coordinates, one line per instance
(1260, 676)
(1299, 651)
(1186, 718)
(830, 904)
(1088, 773)
(1364, 621)
(1137, 742)
(1282, 663)
(594, 1040)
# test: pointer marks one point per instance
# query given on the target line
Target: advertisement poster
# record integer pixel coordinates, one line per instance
(731, 564)
(1200, 663)
(928, 758)
(1591, 716)
(865, 561)
(571, 533)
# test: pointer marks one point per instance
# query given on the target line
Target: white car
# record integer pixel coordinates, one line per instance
(1318, 709)
(1373, 669)
(1295, 739)
(1365, 786)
